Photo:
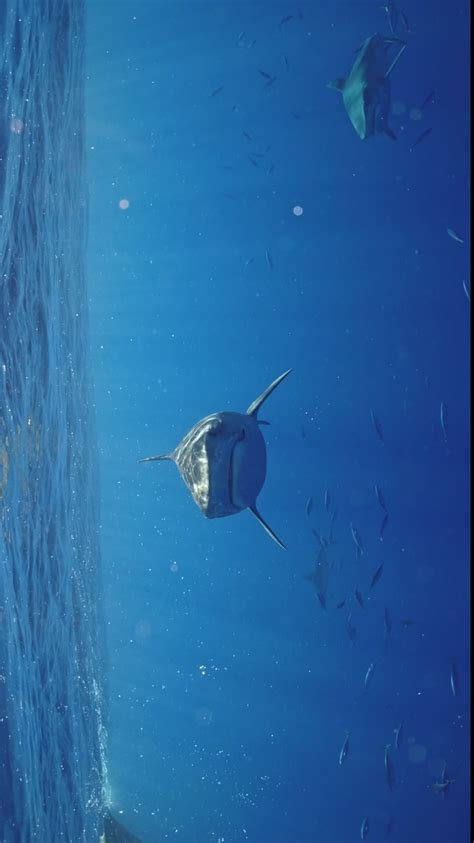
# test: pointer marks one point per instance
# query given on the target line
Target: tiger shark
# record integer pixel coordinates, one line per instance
(366, 91)
(223, 461)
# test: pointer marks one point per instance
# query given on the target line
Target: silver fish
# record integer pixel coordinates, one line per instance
(398, 735)
(327, 499)
(376, 576)
(468, 295)
(309, 506)
(359, 598)
(387, 620)
(269, 259)
(454, 679)
(318, 538)
(344, 749)
(364, 828)
(442, 419)
(376, 425)
(223, 461)
(340, 604)
(429, 99)
(389, 768)
(357, 541)
(380, 498)
(454, 236)
(351, 630)
(382, 526)
(368, 675)
(421, 138)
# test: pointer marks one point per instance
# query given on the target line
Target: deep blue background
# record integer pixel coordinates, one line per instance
(231, 689)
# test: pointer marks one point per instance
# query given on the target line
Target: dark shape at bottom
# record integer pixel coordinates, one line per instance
(115, 832)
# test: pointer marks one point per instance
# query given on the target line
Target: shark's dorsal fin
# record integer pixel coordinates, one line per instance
(255, 405)
(337, 84)
(264, 524)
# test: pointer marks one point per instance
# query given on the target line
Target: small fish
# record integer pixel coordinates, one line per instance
(216, 91)
(249, 261)
(404, 21)
(364, 828)
(334, 516)
(454, 679)
(421, 138)
(380, 498)
(318, 537)
(253, 161)
(406, 622)
(377, 425)
(351, 630)
(442, 787)
(454, 236)
(359, 598)
(389, 827)
(241, 35)
(271, 81)
(468, 296)
(389, 768)
(270, 169)
(309, 506)
(429, 99)
(442, 419)
(327, 499)
(387, 622)
(382, 526)
(265, 74)
(357, 541)
(322, 599)
(376, 575)
(269, 259)
(246, 135)
(340, 604)
(391, 11)
(296, 115)
(287, 63)
(285, 20)
(344, 749)
(398, 735)
(368, 675)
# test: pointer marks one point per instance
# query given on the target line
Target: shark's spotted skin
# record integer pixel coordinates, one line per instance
(366, 91)
(223, 461)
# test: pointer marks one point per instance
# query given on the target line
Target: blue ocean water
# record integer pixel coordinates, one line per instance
(237, 227)
(52, 728)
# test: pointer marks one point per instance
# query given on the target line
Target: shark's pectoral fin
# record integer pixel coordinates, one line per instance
(337, 84)
(158, 457)
(265, 526)
(255, 405)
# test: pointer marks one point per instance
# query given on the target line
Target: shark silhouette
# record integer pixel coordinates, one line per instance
(223, 461)
(366, 91)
